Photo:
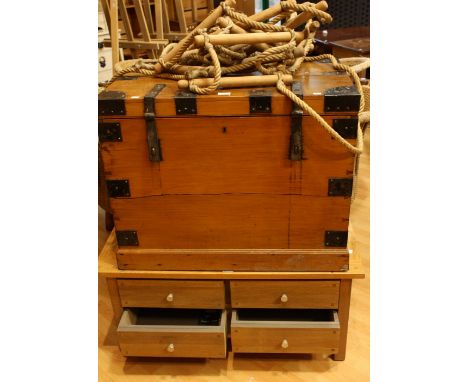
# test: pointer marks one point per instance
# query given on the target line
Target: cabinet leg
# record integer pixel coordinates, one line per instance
(343, 314)
(115, 299)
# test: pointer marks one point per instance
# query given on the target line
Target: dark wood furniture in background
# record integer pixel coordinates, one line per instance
(344, 42)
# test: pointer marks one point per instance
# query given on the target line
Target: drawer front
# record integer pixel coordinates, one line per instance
(172, 294)
(285, 294)
(175, 344)
(285, 340)
(285, 337)
(171, 341)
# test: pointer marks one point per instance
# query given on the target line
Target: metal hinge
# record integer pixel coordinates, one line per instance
(109, 132)
(111, 103)
(127, 238)
(185, 102)
(260, 101)
(346, 127)
(154, 146)
(340, 186)
(341, 99)
(295, 144)
(118, 188)
(336, 238)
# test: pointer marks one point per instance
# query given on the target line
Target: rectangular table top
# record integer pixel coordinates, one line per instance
(107, 267)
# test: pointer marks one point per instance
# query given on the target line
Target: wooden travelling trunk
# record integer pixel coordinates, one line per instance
(236, 180)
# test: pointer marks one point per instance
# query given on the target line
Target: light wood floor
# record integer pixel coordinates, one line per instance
(268, 368)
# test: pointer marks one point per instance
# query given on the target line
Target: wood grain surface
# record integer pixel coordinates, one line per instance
(231, 221)
(114, 367)
(185, 294)
(300, 340)
(226, 155)
(153, 344)
(108, 265)
(233, 260)
(300, 294)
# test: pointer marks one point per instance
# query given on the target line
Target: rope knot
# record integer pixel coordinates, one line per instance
(286, 5)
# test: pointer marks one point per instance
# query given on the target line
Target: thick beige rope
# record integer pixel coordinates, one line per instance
(217, 70)
(275, 60)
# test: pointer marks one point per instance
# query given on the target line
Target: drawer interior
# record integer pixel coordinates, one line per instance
(171, 318)
(313, 318)
(178, 317)
(302, 315)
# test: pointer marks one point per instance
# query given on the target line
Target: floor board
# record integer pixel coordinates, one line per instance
(256, 368)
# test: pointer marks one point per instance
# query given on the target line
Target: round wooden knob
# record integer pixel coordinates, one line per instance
(170, 297)
(284, 297)
(170, 348)
(284, 344)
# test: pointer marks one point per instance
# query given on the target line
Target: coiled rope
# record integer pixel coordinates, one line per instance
(280, 59)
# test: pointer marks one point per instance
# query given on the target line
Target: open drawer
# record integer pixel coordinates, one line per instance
(173, 333)
(285, 331)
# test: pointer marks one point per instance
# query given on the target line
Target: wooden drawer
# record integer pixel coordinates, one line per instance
(171, 333)
(285, 294)
(283, 331)
(171, 294)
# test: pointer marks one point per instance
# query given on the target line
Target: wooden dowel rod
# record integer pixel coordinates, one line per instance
(114, 32)
(267, 13)
(303, 17)
(297, 52)
(209, 21)
(223, 23)
(154, 44)
(235, 82)
(247, 38)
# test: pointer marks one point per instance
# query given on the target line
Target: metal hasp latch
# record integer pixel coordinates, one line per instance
(341, 98)
(111, 103)
(109, 132)
(340, 186)
(295, 144)
(260, 101)
(154, 147)
(118, 188)
(336, 238)
(127, 238)
(185, 102)
(346, 127)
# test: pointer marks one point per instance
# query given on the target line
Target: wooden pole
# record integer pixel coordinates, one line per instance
(158, 16)
(223, 23)
(238, 82)
(209, 21)
(267, 13)
(305, 16)
(247, 38)
(114, 32)
(263, 15)
(127, 26)
(297, 52)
